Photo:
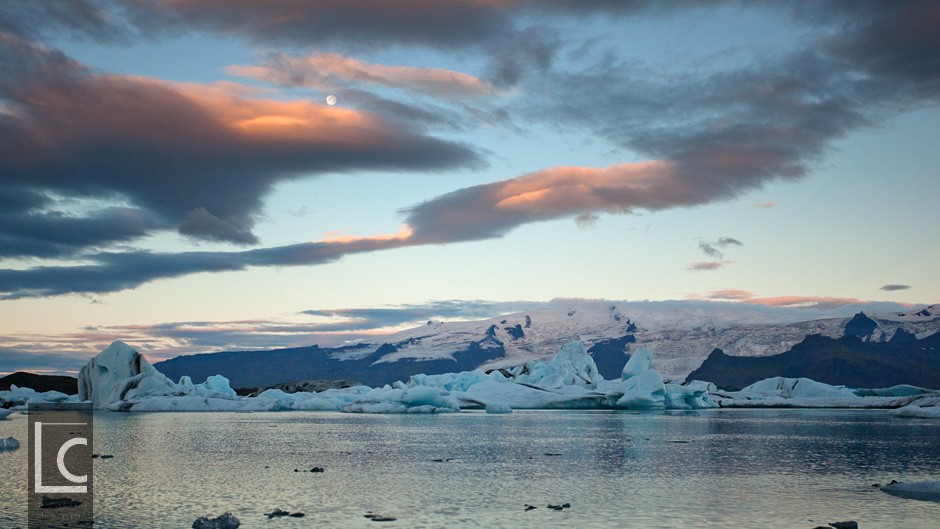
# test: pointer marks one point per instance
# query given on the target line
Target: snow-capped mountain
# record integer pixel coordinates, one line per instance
(682, 333)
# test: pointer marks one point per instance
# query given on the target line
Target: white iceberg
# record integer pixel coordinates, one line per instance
(807, 393)
(17, 398)
(921, 490)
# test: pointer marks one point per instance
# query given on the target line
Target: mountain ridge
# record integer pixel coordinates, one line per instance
(682, 335)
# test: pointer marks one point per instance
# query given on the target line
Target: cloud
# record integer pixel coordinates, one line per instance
(704, 266)
(799, 302)
(707, 135)
(330, 71)
(764, 205)
(730, 295)
(828, 306)
(329, 22)
(169, 148)
(114, 271)
(814, 302)
(586, 220)
(82, 19)
(491, 210)
(354, 319)
(54, 233)
(710, 250)
(892, 287)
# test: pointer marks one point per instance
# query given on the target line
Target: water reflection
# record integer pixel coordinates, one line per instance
(748, 468)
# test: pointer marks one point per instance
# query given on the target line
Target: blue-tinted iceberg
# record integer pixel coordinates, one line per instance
(807, 393)
(9, 444)
(121, 379)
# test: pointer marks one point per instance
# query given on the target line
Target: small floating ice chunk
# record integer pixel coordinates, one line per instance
(9, 444)
(913, 410)
(498, 407)
(5, 413)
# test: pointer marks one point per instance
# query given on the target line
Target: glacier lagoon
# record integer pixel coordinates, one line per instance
(786, 468)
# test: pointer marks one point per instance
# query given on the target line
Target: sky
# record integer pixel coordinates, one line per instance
(196, 175)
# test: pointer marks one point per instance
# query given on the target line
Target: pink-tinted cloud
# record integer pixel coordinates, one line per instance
(768, 204)
(816, 302)
(704, 266)
(730, 294)
(331, 71)
(491, 210)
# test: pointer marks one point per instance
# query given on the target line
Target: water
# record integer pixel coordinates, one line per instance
(720, 468)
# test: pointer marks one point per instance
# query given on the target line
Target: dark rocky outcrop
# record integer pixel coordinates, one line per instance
(41, 383)
(611, 355)
(225, 521)
(860, 326)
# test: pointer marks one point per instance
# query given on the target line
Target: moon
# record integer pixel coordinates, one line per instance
(331, 100)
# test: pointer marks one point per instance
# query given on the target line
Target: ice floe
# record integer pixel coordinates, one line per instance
(920, 490)
(808, 393)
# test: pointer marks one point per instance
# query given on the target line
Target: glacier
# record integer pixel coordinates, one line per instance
(121, 379)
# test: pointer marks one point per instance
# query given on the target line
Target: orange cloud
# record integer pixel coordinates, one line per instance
(336, 237)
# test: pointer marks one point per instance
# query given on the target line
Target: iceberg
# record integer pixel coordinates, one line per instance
(17, 398)
(9, 444)
(121, 379)
(808, 393)
(923, 407)
(921, 490)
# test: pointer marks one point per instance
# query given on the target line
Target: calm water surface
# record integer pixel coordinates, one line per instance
(720, 468)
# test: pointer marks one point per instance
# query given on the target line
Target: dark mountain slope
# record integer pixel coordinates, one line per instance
(847, 361)
(22, 379)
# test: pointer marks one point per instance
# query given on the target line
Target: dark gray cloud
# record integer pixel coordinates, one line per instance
(374, 23)
(82, 19)
(358, 319)
(44, 361)
(893, 287)
(113, 271)
(200, 157)
(56, 234)
(204, 225)
(711, 248)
